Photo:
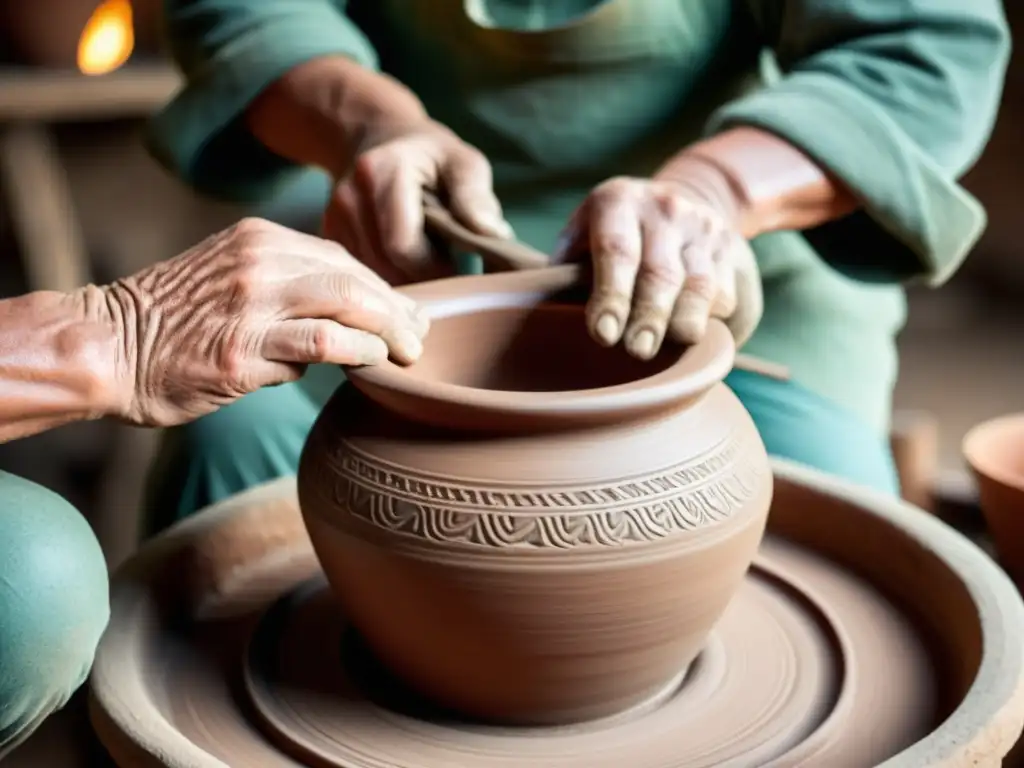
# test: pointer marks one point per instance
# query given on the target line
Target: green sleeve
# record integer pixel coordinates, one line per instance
(228, 52)
(896, 98)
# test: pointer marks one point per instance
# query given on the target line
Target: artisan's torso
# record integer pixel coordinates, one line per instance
(563, 94)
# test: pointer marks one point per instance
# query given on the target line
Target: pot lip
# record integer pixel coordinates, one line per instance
(974, 448)
(697, 369)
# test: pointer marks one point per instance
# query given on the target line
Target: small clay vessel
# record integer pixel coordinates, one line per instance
(526, 527)
(995, 452)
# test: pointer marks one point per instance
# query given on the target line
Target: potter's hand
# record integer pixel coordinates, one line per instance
(248, 308)
(376, 212)
(666, 257)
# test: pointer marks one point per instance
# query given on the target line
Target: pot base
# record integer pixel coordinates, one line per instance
(224, 650)
(773, 681)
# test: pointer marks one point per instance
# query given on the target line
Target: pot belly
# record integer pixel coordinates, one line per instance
(549, 579)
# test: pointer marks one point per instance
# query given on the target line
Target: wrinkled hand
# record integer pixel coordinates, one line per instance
(665, 260)
(377, 211)
(248, 308)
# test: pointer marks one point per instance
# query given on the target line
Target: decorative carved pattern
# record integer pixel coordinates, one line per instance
(701, 491)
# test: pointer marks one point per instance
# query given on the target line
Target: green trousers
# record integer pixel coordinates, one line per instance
(53, 580)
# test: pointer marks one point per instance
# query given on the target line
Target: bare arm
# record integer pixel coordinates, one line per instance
(765, 182)
(58, 361)
(896, 100)
(320, 112)
(248, 307)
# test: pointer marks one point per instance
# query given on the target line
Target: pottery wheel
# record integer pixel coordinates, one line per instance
(772, 674)
(249, 662)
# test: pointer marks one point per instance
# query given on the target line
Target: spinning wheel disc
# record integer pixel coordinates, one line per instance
(772, 674)
(225, 649)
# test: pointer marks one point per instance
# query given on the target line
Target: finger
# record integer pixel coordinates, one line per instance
(345, 299)
(341, 223)
(357, 225)
(322, 341)
(749, 292)
(693, 309)
(615, 249)
(333, 254)
(658, 284)
(396, 187)
(469, 184)
(725, 298)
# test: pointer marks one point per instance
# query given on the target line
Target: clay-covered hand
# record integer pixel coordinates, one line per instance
(376, 211)
(667, 255)
(248, 308)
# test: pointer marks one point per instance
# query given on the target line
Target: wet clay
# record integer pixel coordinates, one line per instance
(524, 526)
(865, 634)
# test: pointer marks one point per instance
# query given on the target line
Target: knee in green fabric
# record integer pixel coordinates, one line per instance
(54, 604)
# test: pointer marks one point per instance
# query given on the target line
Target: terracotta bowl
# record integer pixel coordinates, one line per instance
(995, 452)
(526, 527)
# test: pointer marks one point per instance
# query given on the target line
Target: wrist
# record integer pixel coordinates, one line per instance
(326, 111)
(766, 182)
(95, 347)
(708, 181)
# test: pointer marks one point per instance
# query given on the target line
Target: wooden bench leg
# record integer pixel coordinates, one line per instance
(41, 209)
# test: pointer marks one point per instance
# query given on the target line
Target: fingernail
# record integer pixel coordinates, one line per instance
(407, 345)
(642, 345)
(608, 329)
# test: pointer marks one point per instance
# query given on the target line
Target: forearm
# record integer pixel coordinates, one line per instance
(762, 182)
(321, 112)
(59, 356)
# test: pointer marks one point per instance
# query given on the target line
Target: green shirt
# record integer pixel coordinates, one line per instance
(894, 97)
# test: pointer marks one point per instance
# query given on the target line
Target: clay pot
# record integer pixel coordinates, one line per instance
(524, 526)
(995, 452)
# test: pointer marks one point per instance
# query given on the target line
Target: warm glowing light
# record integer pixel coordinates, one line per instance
(108, 38)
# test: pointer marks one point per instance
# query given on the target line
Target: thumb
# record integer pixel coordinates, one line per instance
(469, 184)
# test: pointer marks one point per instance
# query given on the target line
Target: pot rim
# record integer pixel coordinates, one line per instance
(697, 368)
(974, 448)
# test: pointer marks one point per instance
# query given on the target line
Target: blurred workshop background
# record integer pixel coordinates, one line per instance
(82, 201)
